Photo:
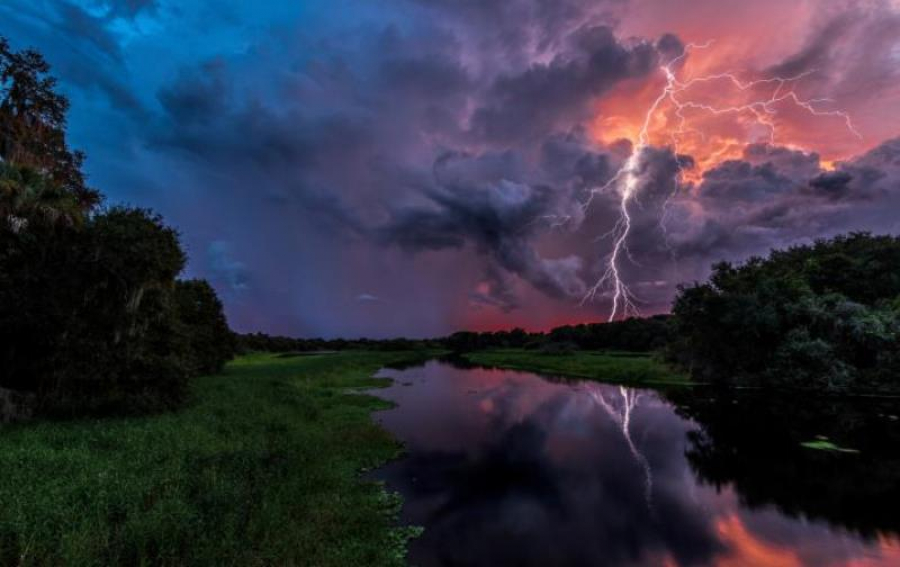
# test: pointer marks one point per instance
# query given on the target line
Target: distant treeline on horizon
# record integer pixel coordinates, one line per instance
(633, 334)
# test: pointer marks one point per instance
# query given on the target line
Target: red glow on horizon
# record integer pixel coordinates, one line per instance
(493, 322)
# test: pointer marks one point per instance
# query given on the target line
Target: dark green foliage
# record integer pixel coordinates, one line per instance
(261, 342)
(120, 350)
(558, 348)
(87, 319)
(90, 315)
(634, 334)
(819, 317)
(33, 121)
(38, 299)
(467, 341)
(27, 196)
(204, 330)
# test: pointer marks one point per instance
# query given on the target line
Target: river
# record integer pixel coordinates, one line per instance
(514, 468)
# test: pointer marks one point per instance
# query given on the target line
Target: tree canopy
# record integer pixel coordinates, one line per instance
(33, 123)
(824, 316)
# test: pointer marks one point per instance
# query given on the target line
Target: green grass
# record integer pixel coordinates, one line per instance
(618, 367)
(261, 468)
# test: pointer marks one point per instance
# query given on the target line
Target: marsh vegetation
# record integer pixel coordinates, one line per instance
(260, 468)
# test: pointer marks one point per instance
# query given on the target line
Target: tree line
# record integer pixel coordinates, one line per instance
(93, 316)
(824, 316)
(262, 342)
(634, 334)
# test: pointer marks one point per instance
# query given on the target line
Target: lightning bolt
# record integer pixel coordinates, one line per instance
(626, 181)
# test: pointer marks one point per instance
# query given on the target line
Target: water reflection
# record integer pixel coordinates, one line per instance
(621, 415)
(508, 468)
(754, 444)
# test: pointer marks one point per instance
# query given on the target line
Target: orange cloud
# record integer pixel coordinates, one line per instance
(717, 112)
(746, 44)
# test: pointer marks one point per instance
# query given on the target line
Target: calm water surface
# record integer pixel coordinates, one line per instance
(511, 468)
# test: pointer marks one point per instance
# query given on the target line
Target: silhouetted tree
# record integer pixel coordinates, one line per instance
(210, 343)
(33, 122)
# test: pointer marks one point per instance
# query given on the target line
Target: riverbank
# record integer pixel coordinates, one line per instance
(607, 366)
(262, 467)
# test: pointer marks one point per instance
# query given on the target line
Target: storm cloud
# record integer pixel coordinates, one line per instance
(488, 201)
(437, 155)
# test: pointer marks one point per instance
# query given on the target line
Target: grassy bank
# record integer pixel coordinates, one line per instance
(261, 468)
(619, 367)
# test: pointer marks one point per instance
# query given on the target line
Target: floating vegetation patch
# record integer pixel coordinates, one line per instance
(822, 443)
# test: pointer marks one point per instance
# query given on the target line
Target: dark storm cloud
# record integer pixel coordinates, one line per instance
(831, 184)
(331, 136)
(793, 164)
(650, 253)
(348, 142)
(198, 95)
(487, 200)
(513, 31)
(670, 47)
(495, 292)
(131, 8)
(282, 155)
(545, 97)
(776, 197)
(763, 174)
(876, 171)
(569, 158)
(83, 50)
(735, 181)
(852, 53)
(793, 182)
